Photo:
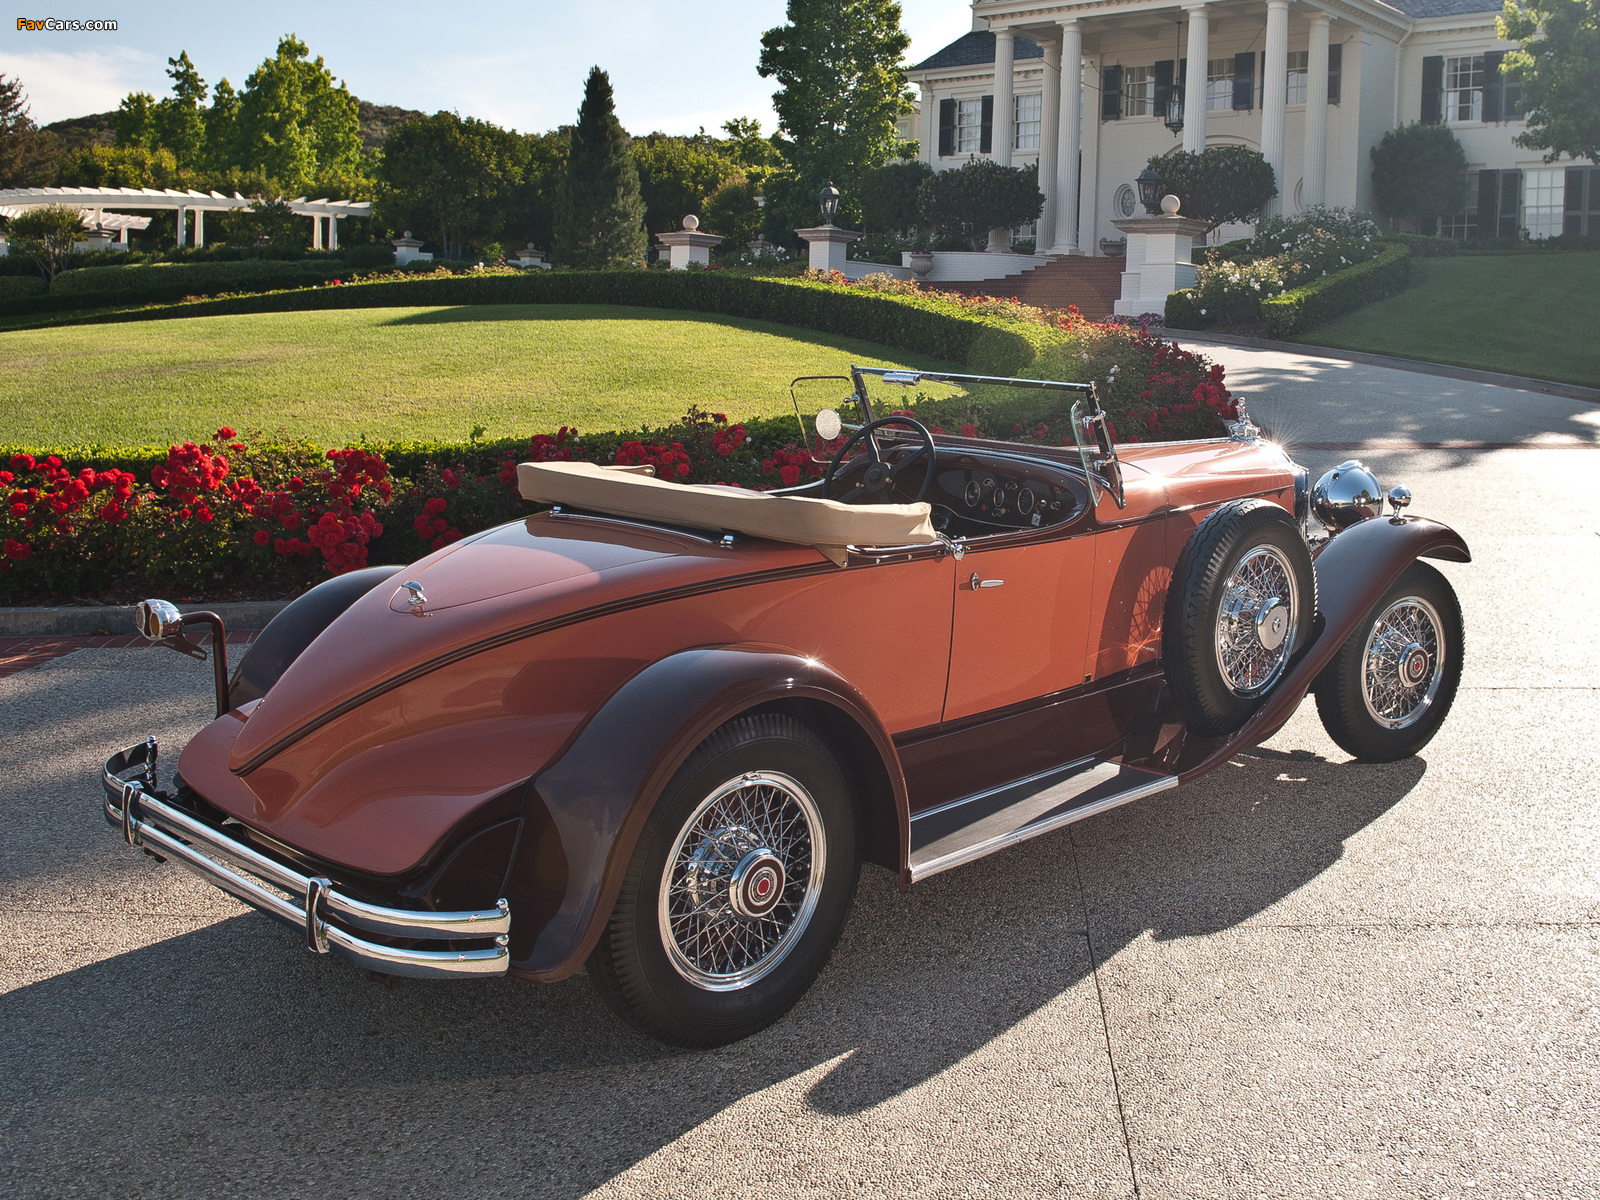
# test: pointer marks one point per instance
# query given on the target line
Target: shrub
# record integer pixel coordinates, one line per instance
(1317, 242)
(1419, 173)
(1422, 246)
(17, 287)
(1334, 295)
(1218, 185)
(176, 280)
(983, 195)
(889, 196)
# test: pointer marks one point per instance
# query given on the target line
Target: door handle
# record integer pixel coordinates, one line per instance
(984, 583)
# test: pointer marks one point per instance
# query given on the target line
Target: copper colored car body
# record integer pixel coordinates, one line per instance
(447, 770)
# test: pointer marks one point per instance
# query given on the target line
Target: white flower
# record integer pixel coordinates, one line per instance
(1202, 312)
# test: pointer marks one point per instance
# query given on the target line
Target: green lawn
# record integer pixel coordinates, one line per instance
(1526, 314)
(405, 373)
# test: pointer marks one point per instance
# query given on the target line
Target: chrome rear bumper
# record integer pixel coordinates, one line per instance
(309, 903)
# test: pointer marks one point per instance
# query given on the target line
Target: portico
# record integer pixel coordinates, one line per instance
(1090, 90)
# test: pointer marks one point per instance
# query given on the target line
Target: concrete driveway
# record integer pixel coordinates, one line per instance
(1299, 977)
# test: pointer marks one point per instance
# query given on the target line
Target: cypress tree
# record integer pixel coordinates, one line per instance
(599, 217)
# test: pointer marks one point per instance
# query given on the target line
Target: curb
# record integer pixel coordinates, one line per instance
(1548, 387)
(108, 618)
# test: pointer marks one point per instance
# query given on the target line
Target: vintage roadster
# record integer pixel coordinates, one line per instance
(654, 728)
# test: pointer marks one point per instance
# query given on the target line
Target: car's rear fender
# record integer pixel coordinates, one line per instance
(597, 793)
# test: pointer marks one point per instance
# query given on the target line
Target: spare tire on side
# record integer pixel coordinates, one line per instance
(1241, 603)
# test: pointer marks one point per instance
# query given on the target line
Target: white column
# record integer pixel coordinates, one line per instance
(1004, 136)
(1049, 133)
(1274, 96)
(182, 232)
(1070, 138)
(930, 126)
(316, 233)
(1194, 91)
(199, 227)
(1315, 172)
(1089, 192)
(333, 232)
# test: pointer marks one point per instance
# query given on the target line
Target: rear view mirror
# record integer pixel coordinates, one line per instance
(829, 424)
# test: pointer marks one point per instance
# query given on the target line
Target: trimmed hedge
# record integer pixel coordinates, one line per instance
(1423, 246)
(918, 324)
(1334, 295)
(18, 287)
(1183, 311)
(174, 281)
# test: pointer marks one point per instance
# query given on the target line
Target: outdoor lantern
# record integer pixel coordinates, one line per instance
(828, 198)
(1175, 113)
(1149, 190)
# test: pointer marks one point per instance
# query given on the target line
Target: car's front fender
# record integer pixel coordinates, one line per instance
(599, 790)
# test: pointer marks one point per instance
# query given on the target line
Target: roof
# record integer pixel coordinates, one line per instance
(1418, 9)
(975, 50)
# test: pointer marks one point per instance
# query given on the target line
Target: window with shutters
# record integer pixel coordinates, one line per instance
(1299, 66)
(1461, 226)
(1219, 83)
(1543, 201)
(969, 126)
(1463, 88)
(1138, 91)
(1582, 202)
(1028, 110)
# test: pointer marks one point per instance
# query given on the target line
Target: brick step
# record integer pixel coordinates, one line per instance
(1092, 284)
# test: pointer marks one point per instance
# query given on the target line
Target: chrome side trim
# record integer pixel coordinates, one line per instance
(1082, 778)
(311, 904)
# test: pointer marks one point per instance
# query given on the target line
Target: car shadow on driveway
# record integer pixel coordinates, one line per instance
(227, 1056)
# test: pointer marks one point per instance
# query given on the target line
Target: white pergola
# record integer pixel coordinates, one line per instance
(93, 200)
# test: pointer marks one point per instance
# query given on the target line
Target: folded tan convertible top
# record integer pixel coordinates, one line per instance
(825, 524)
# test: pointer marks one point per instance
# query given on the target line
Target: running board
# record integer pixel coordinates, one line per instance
(970, 828)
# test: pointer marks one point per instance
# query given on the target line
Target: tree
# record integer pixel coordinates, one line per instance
(121, 166)
(221, 121)
(270, 223)
(1419, 173)
(731, 211)
(24, 150)
(134, 122)
(454, 179)
(842, 85)
(1218, 185)
(889, 196)
(177, 121)
(46, 235)
(676, 175)
(746, 146)
(293, 122)
(983, 195)
(599, 217)
(1559, 73)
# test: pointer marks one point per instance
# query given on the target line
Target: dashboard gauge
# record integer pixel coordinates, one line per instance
(974, 493)
(998, 499)
(1025, 501)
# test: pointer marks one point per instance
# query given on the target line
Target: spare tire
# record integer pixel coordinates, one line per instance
(1241, 603)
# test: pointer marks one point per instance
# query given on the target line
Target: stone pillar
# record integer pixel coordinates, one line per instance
(1274, 97)
(930, 126)
(183, 230)
(690, 246)
(1070, 139)
(199, 227)
(1005, 113)
(1159, 259)
(1194, 91)
(827, 245)
(1089, 190)
(1314, 190)
(1049, 135)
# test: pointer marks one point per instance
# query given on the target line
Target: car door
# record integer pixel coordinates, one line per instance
(1021, 622)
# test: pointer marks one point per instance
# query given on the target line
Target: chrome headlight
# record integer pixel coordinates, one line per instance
(1347, 494)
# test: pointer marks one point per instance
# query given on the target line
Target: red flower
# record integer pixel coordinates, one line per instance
(790, 474)
(683, 469)
(17, 550)
(224, 434)
(296, 484)
(19, 510)
(969, 431)
(262, 537)
(22, 462)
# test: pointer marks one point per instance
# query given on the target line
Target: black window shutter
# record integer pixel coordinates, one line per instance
(986, 130)
(947, 127)
(1488, 202)
(1572, 215)
(1111, 94)
(1163, 89)
(1433, 89)
(1244, 80)
(1510, 203)
(1261, 83)
(1335, 66)
(1493, 86)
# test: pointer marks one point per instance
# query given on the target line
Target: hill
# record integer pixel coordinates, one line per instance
(376, 121)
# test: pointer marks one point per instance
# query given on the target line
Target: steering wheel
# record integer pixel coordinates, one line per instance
(881, 475)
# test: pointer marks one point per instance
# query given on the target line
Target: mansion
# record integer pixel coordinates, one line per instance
(1092, 89)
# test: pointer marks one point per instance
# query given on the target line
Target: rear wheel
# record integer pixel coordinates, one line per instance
(737, 889)
(1388, 690)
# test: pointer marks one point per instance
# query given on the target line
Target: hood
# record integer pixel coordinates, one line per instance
(506, 583)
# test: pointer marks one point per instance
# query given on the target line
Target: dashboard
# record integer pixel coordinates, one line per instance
(982, 493)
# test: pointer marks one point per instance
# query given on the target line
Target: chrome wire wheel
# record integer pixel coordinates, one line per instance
(1403, 663)
(1256, 621)
(742, 881)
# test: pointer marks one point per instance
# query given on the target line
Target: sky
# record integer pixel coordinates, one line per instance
(674, 67)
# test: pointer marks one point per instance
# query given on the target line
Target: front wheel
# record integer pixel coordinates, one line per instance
(737, 889)
(1386, 693)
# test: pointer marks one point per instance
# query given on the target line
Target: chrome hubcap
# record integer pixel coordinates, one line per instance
(1403, 664)
(1255, 621)
(742, 881)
